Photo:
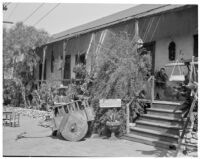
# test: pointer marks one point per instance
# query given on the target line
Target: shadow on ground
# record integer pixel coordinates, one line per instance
(158, 152)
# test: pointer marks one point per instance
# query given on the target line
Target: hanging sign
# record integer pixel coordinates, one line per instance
(110, 103)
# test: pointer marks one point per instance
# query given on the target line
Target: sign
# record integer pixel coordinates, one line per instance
(110, 103)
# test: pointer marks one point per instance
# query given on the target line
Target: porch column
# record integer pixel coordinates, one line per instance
(43, 62)
(63, 64)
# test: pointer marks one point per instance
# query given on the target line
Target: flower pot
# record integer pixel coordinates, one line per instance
(113, 127)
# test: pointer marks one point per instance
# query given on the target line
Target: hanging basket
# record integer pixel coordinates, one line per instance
(177, 78)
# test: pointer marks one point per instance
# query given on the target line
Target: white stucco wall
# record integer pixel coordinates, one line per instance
(184, 44)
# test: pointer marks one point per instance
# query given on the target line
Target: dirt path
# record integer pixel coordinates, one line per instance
(38, 142)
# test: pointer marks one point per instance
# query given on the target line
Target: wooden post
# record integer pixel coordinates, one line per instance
(63, 64)
(43, 62)
(152, 89)
(86, 57)
(127, 118)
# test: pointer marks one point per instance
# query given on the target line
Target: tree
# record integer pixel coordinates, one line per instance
(19, 44)
(123, 69)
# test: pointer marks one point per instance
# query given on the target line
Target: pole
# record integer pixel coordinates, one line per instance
(43, 62)
(63, 64)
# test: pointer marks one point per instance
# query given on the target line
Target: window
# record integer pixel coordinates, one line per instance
(172, 51)
(80, 59)
(52, 62)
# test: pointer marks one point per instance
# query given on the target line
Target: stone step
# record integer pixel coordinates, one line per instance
(165, 128)
(149, 141)
(154, 134)
(165, 112)
(161, 119)
(167, 105)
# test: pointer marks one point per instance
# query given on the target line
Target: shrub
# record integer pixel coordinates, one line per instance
(121, 73)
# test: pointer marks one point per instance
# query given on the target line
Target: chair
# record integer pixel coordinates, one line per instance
(15, 119)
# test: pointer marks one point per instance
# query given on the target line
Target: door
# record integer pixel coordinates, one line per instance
(150, 48)
(67, 68)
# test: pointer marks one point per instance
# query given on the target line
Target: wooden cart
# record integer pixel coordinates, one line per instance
(71, 119)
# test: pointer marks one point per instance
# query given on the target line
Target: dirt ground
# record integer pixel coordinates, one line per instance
(38, 142)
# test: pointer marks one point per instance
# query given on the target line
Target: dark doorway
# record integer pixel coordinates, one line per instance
(67, 68)
(45, 70)
(195, 45)
(150, 48)
(40, 71)
(80, 59)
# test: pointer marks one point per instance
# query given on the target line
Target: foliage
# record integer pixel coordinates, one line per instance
(121, 73)
(80, 71)
(11, 93)
(19, 43)
(122, 70)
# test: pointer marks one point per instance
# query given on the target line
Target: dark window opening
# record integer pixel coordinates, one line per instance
(80, 59)
(40, 71)
(172, 51)
(195, 46)
(52, 62)
(45, 69)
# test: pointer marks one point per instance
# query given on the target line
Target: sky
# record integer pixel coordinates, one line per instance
(63, 17)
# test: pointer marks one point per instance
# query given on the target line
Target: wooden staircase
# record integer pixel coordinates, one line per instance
(160, 126)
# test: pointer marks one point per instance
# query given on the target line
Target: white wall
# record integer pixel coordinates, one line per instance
(183, 43)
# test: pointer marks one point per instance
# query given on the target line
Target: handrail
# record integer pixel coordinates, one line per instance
(128, 116)
(186, 123)
(59, 80)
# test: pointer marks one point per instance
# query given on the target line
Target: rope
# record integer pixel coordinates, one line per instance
(155, 28)
(149, 28)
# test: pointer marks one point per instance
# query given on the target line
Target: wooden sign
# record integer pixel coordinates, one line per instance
(110, 103)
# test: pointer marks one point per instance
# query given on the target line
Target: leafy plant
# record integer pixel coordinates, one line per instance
(121, 73)
(80, 71)
(19, 43)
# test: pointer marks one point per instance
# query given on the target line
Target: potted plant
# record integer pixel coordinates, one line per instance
(113, 123)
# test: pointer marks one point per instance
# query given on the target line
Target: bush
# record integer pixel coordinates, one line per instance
(121, 73)
(11, 93)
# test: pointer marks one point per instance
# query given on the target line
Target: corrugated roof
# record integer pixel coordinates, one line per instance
(131, 13)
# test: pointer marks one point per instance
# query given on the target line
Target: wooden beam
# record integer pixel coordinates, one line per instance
(64, 53)
(152, 89)
(179, 64)
(127, 119)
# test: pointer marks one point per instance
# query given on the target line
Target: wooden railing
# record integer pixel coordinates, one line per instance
(186, 123)
(151, 82)
(69, 81)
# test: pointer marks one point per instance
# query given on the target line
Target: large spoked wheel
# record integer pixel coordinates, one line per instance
(76, 127)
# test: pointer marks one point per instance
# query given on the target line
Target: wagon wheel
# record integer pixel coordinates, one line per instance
(76, 127)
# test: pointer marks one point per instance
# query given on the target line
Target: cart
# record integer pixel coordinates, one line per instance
(71, 117)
